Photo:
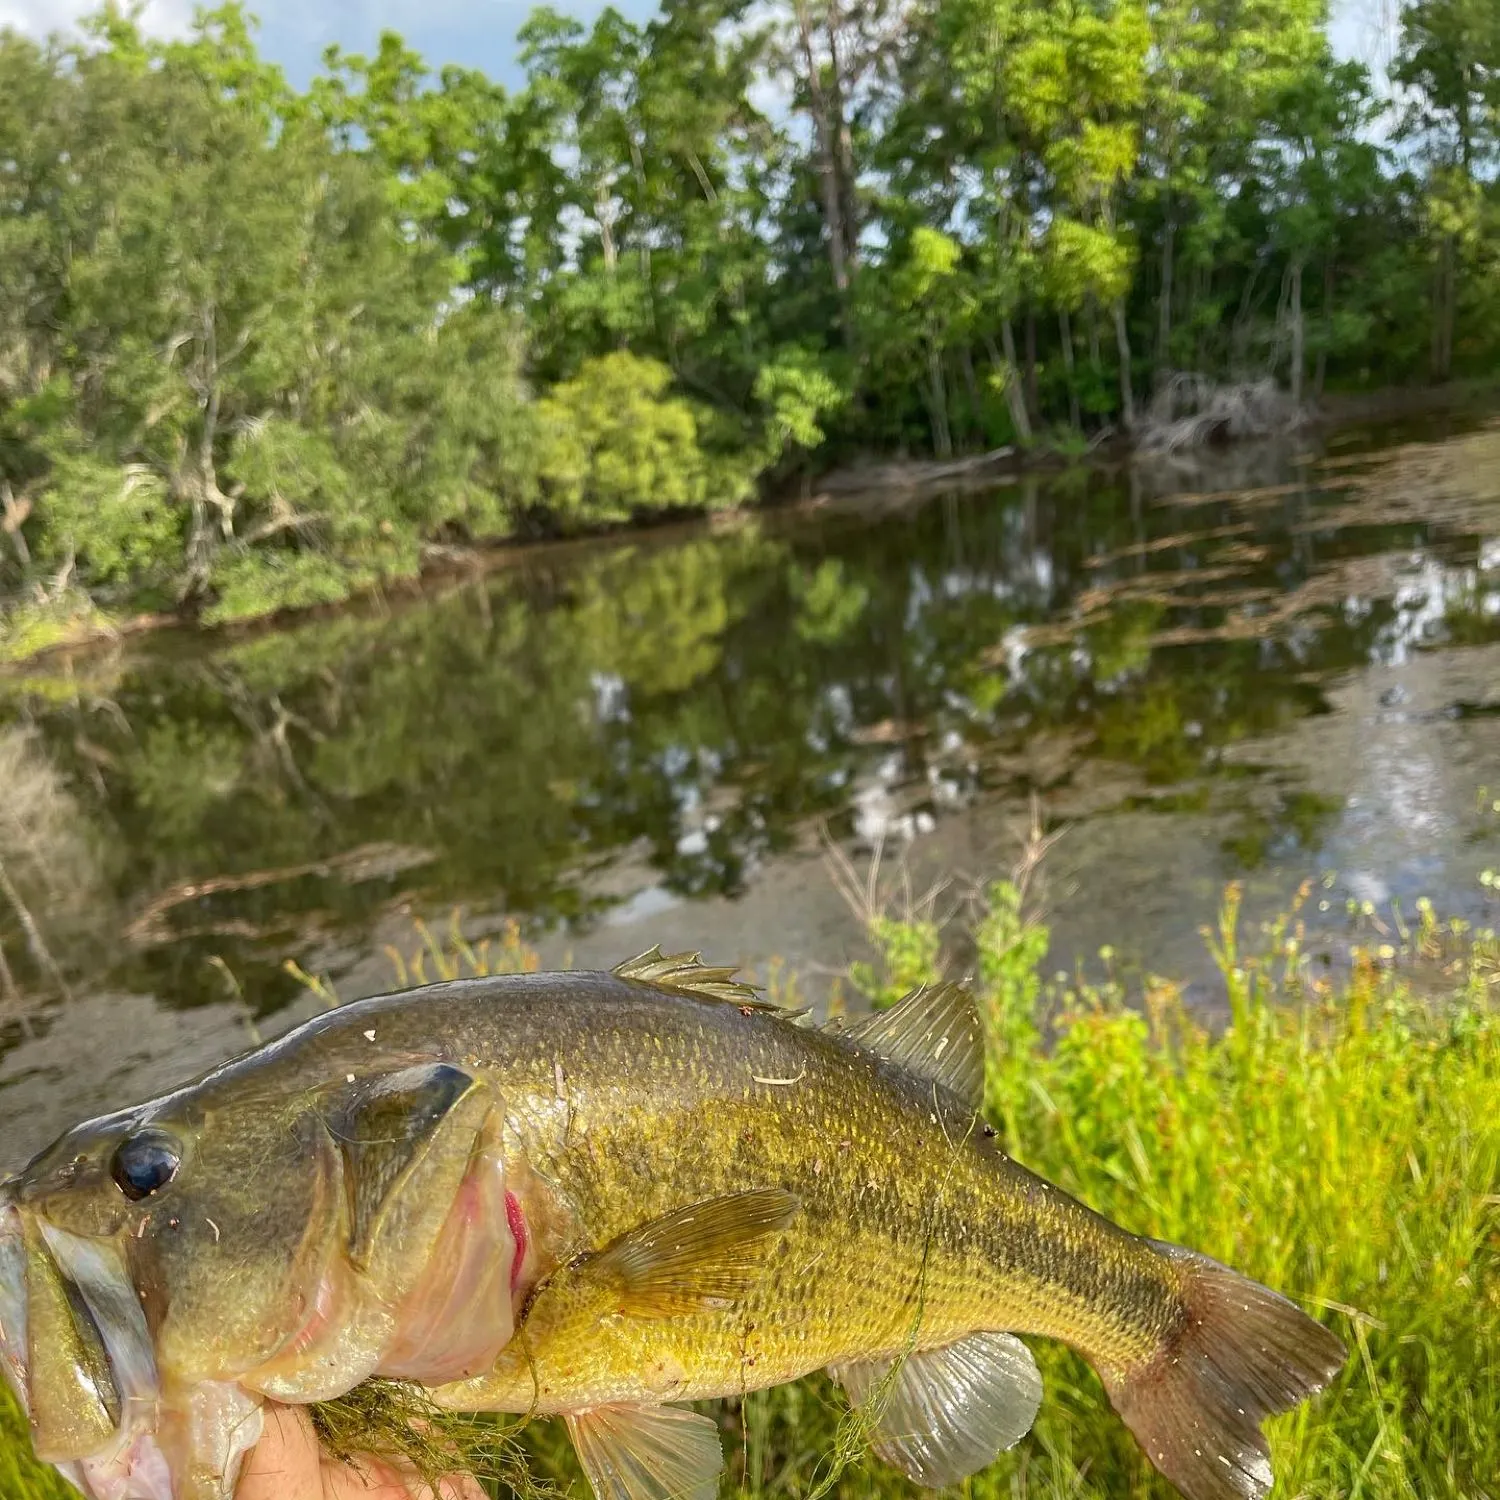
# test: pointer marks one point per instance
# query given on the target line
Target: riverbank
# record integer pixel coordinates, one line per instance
(1337, 1140)
(72, 623)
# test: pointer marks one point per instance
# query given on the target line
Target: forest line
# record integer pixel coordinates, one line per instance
(261, 347)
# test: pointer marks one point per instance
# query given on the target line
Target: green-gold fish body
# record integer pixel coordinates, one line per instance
(595, 1195)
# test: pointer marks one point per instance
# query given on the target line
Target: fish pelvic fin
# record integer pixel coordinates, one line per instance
(1239, 1354)
(940, 1415)
(936, 1033)
(705, 1255)
(634, 1452)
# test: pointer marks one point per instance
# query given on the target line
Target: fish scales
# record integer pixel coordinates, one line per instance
(904, 1201)
(595, 1194)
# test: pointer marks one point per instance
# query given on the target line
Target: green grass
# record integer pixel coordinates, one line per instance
(28, 627)
(1340, 1141)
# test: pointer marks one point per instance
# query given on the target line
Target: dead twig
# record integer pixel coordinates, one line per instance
(355, 864)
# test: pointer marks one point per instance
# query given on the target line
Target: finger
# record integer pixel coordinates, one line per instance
(285, 1463)
(454, 1486)
(366, 1477)
(461, 1487)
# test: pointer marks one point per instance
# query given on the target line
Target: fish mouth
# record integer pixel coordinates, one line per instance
(12, 1298)
(88, 1277)
(96, 1268)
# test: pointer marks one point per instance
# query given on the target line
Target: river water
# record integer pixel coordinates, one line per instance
(1271, 665)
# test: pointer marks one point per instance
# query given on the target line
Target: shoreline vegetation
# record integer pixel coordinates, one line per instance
(1336, 1138)
(263, 349)
(59, 634)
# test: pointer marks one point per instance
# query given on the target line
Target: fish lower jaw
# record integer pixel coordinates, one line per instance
(12, 1303)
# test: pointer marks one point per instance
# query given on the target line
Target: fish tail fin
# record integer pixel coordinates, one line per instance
(1237, 1354)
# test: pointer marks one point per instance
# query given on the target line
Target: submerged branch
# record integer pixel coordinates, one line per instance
(361, 863)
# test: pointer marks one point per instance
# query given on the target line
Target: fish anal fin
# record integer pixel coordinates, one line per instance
(631, 1452)
(943, 1414)
(936, 1033)
(707, 1254)
(688, 973)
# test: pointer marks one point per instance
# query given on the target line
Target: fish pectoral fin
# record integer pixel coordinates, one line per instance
(632, 1452)
(706, 1254)
(936, 1033)
(943, 1414)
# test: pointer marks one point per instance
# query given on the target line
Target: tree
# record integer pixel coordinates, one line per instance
(1449, 61)
(1320, 169)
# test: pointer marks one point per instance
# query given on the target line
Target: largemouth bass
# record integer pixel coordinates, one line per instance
(599, 1196)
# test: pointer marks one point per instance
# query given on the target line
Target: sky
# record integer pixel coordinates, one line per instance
(481, 33)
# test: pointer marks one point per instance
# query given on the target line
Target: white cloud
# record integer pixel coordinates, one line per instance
(40, 18)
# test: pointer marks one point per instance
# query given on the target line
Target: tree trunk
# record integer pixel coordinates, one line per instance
(1239, 329)
(15, 514)
(971, 387)
(1006, 367)
(1298, 341)
(1122, 344)
(827, 157)
(196, 475)
(1450, 302)
(1033, 406)
(942, 434)
(843, 139)
(1320, 372)
(1164, 311)
(1198, 290)
(1065, 333)
(1443, 303)
(605, 215)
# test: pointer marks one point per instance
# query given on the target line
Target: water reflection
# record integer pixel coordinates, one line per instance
(610, 741)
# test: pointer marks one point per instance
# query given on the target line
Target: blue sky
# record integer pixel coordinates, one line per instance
(478, 33)
(481, 33)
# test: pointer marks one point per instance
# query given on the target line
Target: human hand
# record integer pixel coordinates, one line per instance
(287, 1464)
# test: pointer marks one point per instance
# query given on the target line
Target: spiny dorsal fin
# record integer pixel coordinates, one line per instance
(943, 1414)
(636, 1452)
(707, 1254)
(936, 1033)
(688, 973)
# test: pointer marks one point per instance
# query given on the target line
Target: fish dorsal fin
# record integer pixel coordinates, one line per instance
(688, 973)
(632, 1452)
(943, 1414)
(936, 1033)
(703, 1256)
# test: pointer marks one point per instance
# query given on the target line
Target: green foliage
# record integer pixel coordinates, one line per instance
(249, 584)
(113, 522)
(799, 392)
(37, 624)
(614, 441)
(402, 309)
(225, 347)
(1337, 1140)
(829, 602)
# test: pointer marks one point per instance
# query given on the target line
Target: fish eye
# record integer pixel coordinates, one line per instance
(145, 1163)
